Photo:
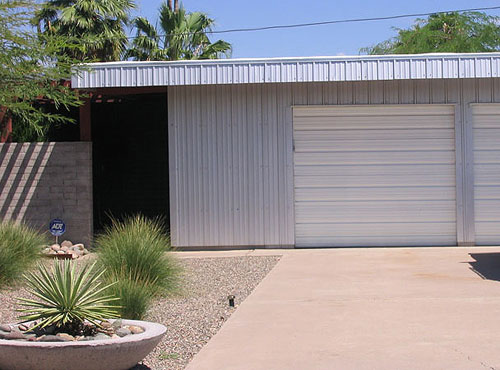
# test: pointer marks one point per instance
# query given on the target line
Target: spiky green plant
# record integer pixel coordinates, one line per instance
(20, 247)
(67, 297)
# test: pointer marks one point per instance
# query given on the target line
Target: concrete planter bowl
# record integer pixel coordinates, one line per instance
(108, 354)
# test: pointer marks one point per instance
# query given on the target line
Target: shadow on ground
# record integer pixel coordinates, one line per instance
(486, 265)
(140, 367)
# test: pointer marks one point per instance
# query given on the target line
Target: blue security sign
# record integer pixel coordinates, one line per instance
(57, 227)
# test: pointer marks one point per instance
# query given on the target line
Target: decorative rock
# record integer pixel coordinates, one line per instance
(85, 252)
(106, 324)
(135, 329)
(79, 247)
(5, 328)
(22, 327)
(65, 248)
(78, 252)
(13, 335)
(61, 252)
(52, 338)
(123, 332)
(66, 336)
(101, 336)
(46, 250)
(52, 252)
(66, 243)
(114, 336)
(55, 247)
(117, 324)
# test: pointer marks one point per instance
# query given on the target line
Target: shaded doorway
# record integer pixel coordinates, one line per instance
(130, 157)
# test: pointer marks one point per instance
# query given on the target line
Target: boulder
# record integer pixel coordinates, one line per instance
(55, 247)
(79, 247)
(66, 336)
(135, 329)
(66, 243)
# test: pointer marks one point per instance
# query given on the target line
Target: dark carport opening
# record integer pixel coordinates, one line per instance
(130, 156)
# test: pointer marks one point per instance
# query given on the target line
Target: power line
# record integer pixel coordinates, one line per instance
(352, 20)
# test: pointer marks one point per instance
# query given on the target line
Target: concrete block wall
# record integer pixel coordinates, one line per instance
(42, 181)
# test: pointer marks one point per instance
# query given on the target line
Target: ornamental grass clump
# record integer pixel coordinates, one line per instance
(134, 296)
(67, 298)
(134, 254)
(20, 248)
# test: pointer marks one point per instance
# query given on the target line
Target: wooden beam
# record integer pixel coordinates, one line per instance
(86, 121)
(127, 90)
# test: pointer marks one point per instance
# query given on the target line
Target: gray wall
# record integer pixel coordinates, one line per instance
(42, 181)
(231, 153)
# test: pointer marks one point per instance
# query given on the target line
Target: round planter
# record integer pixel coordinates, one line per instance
(107, 354)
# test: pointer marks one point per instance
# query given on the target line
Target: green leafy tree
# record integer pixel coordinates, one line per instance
(32, 69)
(99, 25)
(181, 35)
(444, 32)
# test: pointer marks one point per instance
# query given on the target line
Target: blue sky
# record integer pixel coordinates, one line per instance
(339, 39)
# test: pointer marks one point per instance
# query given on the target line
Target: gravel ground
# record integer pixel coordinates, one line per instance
(193, 316)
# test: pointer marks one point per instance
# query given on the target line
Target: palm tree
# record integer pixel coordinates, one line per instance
(182, 36)
(97, 25)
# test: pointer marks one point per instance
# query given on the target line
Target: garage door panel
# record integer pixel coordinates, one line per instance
(375, 241)
(376, 111)
(361, 123)
(486, 193)
(372, 181)
(373, 169)
(487, 210)
(486, 174)
(401, 229)
(376, 194)
(375, 179)
(339, 145)
(375, 134)
(486, 141)
(382, 211)
(373, 157)
(486, 156)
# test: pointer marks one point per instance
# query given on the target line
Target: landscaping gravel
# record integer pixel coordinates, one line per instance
(194, 315)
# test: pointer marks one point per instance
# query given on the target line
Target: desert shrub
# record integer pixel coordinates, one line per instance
(20, 248)
(134, 297)
(66, 297)
(133, 251)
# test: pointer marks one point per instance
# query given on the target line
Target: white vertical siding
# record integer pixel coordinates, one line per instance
(231, 153)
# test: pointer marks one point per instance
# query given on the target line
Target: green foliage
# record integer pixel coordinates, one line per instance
(20, 247)
(99, 25)
(67, 296)
(444, 33)
(134, 254)
(134, 296)
(181, 35)
(32, 67)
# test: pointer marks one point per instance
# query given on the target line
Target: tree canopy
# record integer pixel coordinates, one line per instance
(444, 32)
(99, 26)
(32, 69)
(181, 35)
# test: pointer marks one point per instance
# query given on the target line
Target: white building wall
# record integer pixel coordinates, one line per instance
(231, 146)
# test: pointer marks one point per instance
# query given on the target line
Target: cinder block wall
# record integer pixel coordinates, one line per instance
(42, 181)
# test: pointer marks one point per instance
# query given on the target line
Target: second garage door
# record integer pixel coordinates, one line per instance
(374, 175)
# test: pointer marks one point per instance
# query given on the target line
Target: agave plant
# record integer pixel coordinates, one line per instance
(67, 297)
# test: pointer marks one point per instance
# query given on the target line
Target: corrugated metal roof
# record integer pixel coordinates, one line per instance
(283, 70)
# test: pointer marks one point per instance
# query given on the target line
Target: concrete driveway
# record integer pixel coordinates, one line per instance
(409, 308)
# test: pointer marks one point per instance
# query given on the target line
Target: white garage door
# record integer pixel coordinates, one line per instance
(374, 175)
(486, 146)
